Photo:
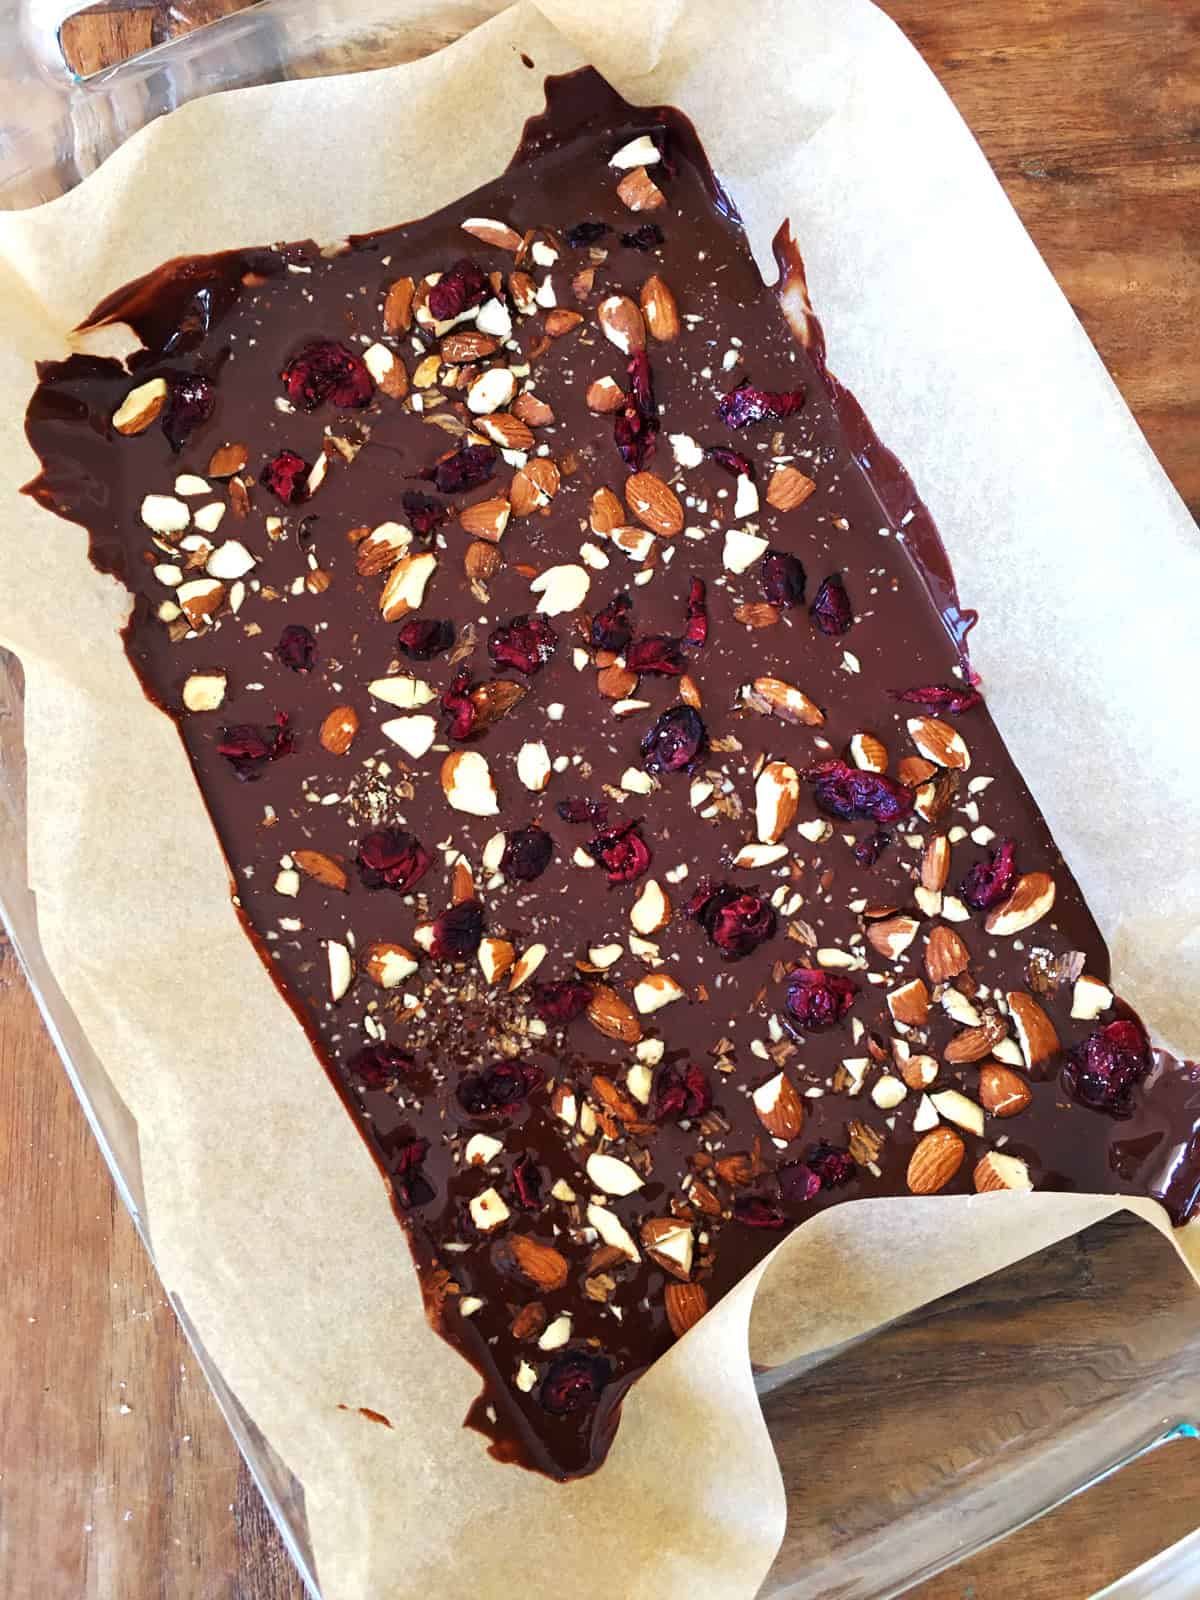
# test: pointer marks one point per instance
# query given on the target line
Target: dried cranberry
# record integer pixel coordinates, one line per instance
(498, 1088)
(190, 401)
(465, 469)
(574, 1382)
(457, 290)
(756, 1212)
(297, 648)
(943, 697)
(676, 741)
(831, 610)
(681, 1094)
(377, 1065)
(525, 642)
(844, 791)
(747, 404)
(1104, 1070)
(457, 932)
(648, 237)
(636, 424)
(736, 920)
(783, 579)
(404, 1158)
(733, 461)
(989, 882)
(657, 654)
(562, 1001)
(581, 809)
(527, 854)
(832, 1163)
(623, 853)
(695, 635)
(421, 639)
(326, 370)
(798, 1183)
(285, 475)
(610, 626)
(249, 746)
(868, 849)
(819, 999)
(425, 515)
(392, 859)
(527, 1181)
(456, 700)
(584, 233)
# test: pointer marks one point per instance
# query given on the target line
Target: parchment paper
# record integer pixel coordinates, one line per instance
(267, 1215)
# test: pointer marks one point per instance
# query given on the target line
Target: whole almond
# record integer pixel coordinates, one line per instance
(612, 1017)
(935, 1161)
(338, 730)
(756, 614)
(529, 1322)
(604, 396)
(945, 955)
(464, 345)
(939, 742)
(685, 1304)
(509, 432)
(1036, 1034)
(562, 320)
(482, 561)
(607, 512)
(638, 191)
(622, 323)
(784, 700)
(972, 1044)
(532, 411)
(616, 682)
(659, 309)
(583, 283)
(1002, 1091)
(397, 307)
(495, 699)
(1029, 902)
(654, 503)
(322, 868)
(486, 519)
(541, 1263)
(914, 771)
(788, 489)
(534, 486)
(227, 459)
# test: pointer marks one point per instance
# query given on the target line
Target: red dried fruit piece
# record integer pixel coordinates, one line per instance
(422, 638)
(733, 461)
(297, 648)
(326, 370)
(657, 654)
(610, 626)
(783, 579)
(798, 1183)
(648, 237)
(868, 850)
(831, 610)
(457, 702)
(819, 999)
(527, 1181)
(736, 920)
(756, 1212)
(988, 882)
(585, 233)
(636, 424)
(525, 643)
(457, 290)
(404, 1157)
(392, 858)
(499, 1089)
(581, 809)
(425, 515)
(940, 697)
(285, 476)
(747, 404)
(1104, 1070)
(190, 401)
(563, 1001)
(843, 791)
(681, 1094)
(832, 1164)
(527, 854)
(249, 746)
(676, 741)
(574, 1382)
(465, 469)
(377, 1065)
(695, 635)
(457, 932)
(623, 853)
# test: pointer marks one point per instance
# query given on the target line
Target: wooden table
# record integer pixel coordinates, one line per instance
(118, 1479)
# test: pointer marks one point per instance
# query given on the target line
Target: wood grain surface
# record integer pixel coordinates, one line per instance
(118, 1479)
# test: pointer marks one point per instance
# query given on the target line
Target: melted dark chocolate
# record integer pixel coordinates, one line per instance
(237, 318)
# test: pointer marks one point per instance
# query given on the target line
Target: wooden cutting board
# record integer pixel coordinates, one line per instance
(118, 1479)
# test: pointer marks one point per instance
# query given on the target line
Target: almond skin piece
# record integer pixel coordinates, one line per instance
(541, 1263)
(1035, 1032)
(654, 503)
(686, 1303)
(638, 191)
(788, 489)
(324, 869)
(1028, 903)
(935, 1161)
(946, 956)
(338, 730)
(1002, 1091)
(610, 1015)
(659, 309)
(397, 308)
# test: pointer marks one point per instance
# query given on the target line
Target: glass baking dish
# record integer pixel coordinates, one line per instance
(964, 1420)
